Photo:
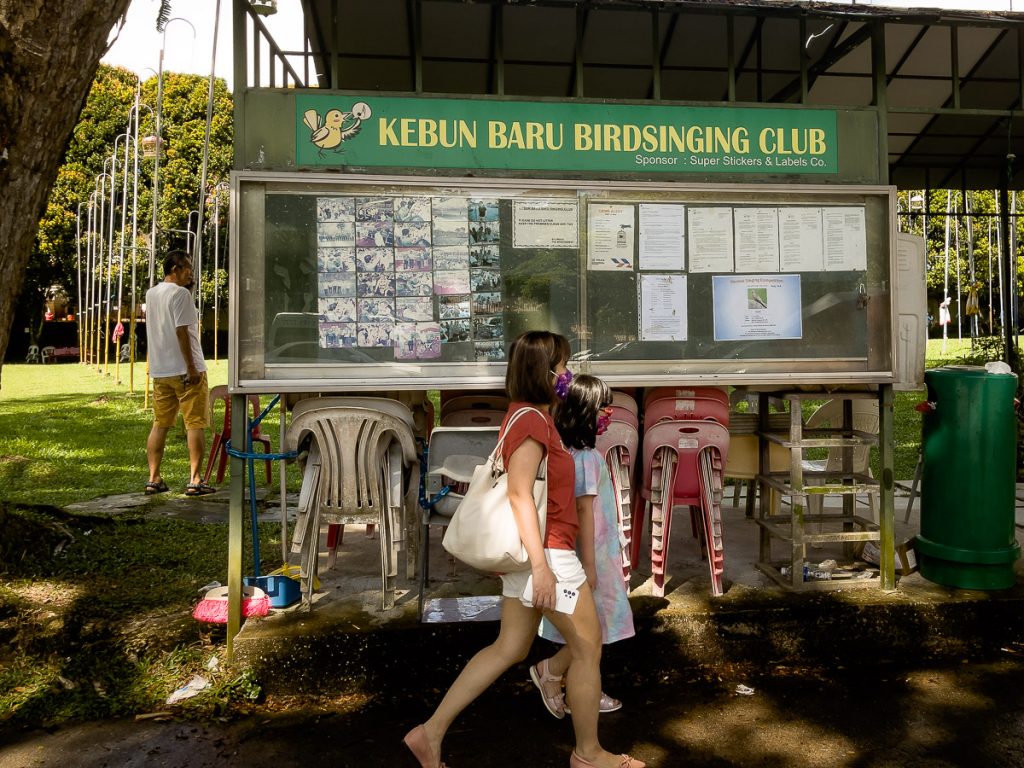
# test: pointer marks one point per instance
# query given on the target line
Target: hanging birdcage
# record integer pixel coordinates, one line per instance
(150, 146)
(264, 7)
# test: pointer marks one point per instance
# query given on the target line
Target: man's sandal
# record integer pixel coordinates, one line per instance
(199, 489)
(158, 487)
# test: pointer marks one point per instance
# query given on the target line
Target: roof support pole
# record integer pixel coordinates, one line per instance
(879, 98)
(803, 59)
(240, 51)
(497, 80)
(655, 57)
(1008, 266)
(581, 26)
(954, 64)
(1020, 66)
(730, 51)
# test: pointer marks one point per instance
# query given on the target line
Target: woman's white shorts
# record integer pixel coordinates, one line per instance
(564, 563)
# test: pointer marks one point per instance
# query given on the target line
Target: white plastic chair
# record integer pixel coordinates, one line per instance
(386, 405)
(355, 476)
(474, 402)
(33, 354)
(477, 417)
(48, 354)
(452, 455)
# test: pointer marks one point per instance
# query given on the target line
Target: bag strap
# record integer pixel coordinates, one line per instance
(496, 456)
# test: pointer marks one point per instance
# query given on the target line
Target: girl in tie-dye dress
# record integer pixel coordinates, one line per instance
(584, 415)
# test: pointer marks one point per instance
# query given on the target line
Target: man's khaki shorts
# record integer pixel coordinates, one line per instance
(172, 393)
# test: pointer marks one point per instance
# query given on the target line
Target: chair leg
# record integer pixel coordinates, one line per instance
(214, 448)
(918, 470)
(222, 464)
(424, 564)
(335, 535)
(265, 442)
(636, 529)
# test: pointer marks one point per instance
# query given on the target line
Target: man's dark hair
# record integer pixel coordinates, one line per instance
(173, 260)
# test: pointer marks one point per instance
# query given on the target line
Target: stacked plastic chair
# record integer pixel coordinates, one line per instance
(619, 447)
(451, 456)
(361, 469)
(685, 446)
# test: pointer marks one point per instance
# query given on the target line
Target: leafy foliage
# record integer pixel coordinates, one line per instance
(105, 117)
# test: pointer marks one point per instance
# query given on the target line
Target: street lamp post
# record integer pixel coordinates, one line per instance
(159, 138)
(78, 275)
(119, 328)
(221, 187)
(110, 248)
(97, 326)
(132, 134)
(206, 160)
(89, 243)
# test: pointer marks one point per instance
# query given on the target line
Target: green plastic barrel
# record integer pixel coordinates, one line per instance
(969, 479)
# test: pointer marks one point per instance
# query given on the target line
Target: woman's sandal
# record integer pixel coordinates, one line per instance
(199, 489)
(555, 704)
(158, 487)
(607, 704)
(625, 761)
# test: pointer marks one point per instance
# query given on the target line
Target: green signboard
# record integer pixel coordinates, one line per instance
(369, 131)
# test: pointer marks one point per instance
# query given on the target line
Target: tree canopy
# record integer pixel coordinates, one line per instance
(104, 117)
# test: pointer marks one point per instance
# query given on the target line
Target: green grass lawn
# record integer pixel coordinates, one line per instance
(70, 434)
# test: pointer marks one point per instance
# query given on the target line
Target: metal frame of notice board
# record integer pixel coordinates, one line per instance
(284, 338)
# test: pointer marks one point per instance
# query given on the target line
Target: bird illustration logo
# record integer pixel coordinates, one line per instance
(336, 126)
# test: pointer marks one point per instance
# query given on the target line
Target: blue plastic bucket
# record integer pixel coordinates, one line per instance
(281, 590)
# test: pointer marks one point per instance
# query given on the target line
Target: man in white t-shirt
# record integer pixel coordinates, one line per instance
(178, 370)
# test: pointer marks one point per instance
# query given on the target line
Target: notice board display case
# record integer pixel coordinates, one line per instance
(345, 282)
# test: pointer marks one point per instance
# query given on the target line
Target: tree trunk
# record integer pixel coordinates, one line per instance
(49, 52)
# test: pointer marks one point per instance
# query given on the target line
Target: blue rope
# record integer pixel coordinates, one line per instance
(424, 501)
(250, 456)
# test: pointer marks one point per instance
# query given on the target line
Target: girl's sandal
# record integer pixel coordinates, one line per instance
(554, 703)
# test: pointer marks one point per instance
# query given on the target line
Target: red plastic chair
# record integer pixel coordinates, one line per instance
(218, 447)
(686, 409)
(682, 466)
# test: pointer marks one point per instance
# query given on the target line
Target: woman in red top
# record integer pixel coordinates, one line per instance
(536, 362)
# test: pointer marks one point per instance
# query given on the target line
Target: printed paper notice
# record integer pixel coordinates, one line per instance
(757, 239)
(545, 224)
(845, 243)
(800, 247)
(662, 237)
(610, 237)
(662, 307)
(709, 232)
(757, 307)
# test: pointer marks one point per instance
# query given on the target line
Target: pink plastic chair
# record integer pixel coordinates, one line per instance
(624, 401)
(660, 393)
(682, 463)
(625, 416)
(619, 447)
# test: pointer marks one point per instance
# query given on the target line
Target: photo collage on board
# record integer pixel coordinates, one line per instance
(410, 273)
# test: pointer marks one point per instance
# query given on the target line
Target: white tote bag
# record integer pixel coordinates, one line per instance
(483, 531)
